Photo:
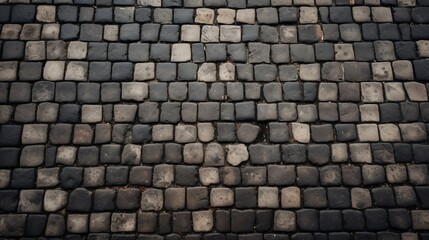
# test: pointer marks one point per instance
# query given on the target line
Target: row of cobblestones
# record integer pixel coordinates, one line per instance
(103, 71)
(169, 175)
(159, 93)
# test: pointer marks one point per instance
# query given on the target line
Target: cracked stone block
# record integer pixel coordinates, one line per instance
(394, 92)
(207, 72)
(163, 175)
(185, 134)
(209, 34)
(30, 201)
(227, 72)
(416, 91)
(204, 16)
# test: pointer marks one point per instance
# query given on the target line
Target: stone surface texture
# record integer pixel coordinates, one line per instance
(214, 119)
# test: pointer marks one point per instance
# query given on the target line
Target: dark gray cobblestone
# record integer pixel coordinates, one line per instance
(214, 119)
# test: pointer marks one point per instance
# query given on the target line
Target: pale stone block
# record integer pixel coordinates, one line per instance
(190, 33)
(181, 52)
(225, 16)
(204, 16)
(246, 16)
(54, 70)
(227, 72)
(301, 132)
(144, 71)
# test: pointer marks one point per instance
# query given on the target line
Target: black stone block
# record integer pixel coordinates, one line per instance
(10, 135)
(23, 178)
(376, 219)
(339, 198)
(383, 197)
(223, 220)
(242, 221)
(69, 113)
(35, 225)
(116, 175)
(71, 177)
(104, 200)
(315, 198)
(399, 218)
(330, 220)
(186, 175)
(23, 13)
(245, 197)
(420, 32)
(264, 220)
(406, 50)
(353, 220)
(307, 220)
(340, 14)
(9, 200)
(79, 200)
(182, 222)
(389, 31)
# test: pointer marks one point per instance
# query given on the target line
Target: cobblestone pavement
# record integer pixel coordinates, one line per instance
(214, 119)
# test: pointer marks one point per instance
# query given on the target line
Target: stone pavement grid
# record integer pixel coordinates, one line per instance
(214, 119)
